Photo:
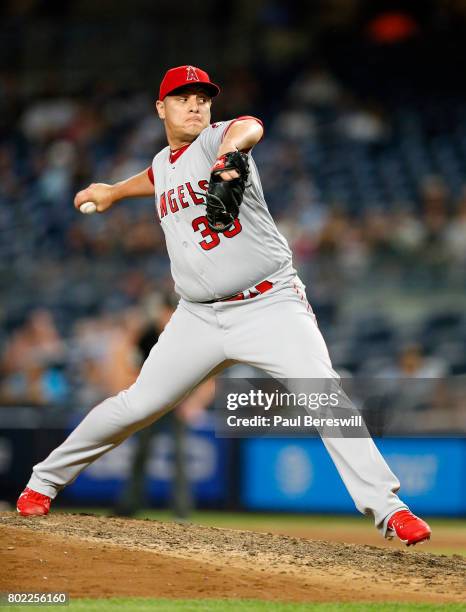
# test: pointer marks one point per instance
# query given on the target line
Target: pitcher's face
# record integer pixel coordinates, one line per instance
(186, 112)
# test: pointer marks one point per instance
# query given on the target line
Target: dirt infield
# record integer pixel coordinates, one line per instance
(101, 557)
(446, 540)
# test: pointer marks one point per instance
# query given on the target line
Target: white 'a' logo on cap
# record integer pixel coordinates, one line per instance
(191, 74)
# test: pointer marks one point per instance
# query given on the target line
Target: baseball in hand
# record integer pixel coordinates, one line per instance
(88, 208)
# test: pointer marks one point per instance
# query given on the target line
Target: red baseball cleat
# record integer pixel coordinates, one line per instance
(31, 503)
(408, 527)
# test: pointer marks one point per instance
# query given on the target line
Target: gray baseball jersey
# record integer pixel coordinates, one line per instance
(206, 265)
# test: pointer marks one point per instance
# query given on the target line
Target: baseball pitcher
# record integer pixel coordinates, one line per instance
(240, 301)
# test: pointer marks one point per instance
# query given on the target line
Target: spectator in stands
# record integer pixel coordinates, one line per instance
(365, 124)
(33, 362)
(121, 365)
(456, 236)
(406, 232)
(412, 363)
(316, 86)
(37, 341)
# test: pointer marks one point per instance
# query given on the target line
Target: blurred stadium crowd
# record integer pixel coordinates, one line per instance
(370, 193)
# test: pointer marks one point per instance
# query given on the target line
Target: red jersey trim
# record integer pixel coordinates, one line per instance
(241, 119)
(174, 155)
(150, 174)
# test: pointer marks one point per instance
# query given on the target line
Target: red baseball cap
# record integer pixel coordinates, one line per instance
(186, 75)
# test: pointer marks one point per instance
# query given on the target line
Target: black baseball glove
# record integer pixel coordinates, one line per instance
(224, 197)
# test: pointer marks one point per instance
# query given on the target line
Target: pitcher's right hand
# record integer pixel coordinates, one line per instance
(99, 193)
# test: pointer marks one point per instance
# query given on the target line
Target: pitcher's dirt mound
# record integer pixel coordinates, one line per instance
(101, 557)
